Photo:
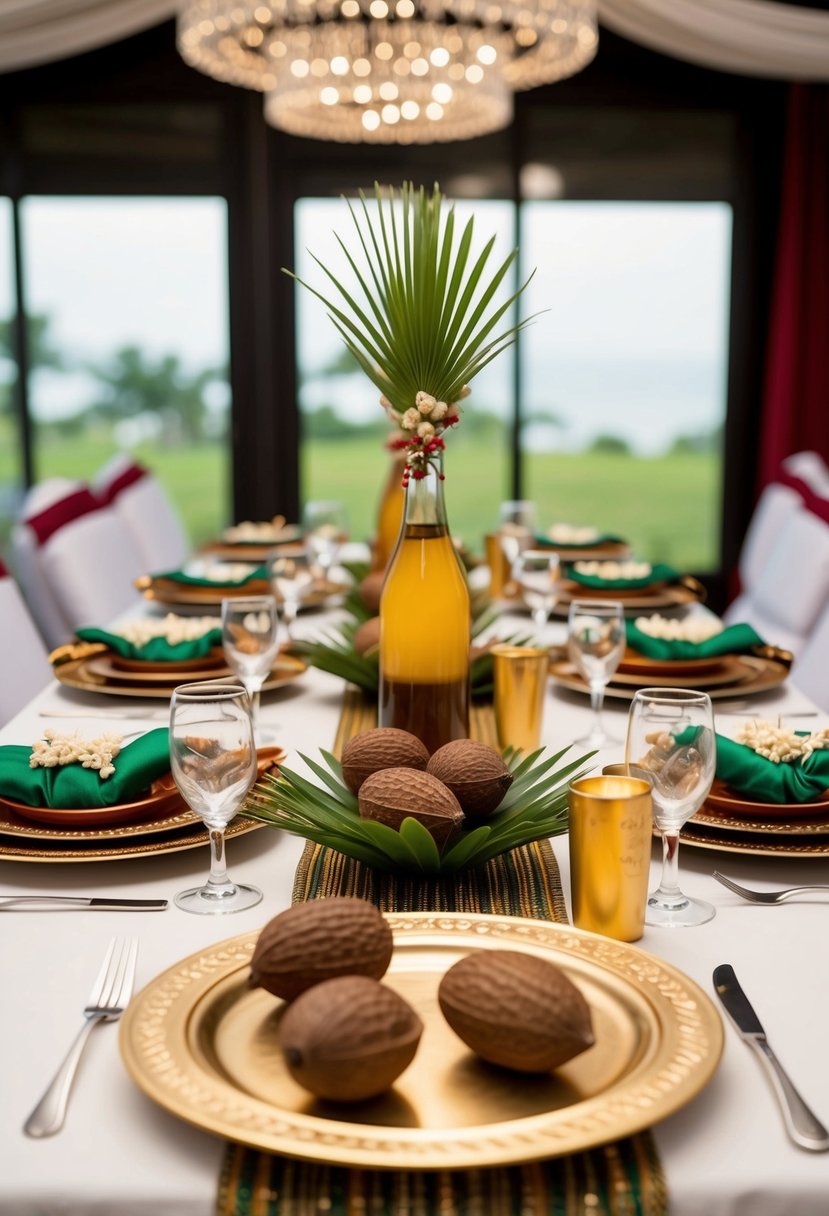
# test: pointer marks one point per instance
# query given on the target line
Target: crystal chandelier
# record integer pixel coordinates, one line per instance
(388, 71)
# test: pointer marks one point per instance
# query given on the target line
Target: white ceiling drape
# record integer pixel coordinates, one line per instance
(750, 37)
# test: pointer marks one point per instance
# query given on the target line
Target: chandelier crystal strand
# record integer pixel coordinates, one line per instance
(388, 71)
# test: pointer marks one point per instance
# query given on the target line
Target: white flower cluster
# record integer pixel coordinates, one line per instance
(778, 744)
(611, 570)
(172, 628)
(264, 531)
(54, 750)
(571, 534)
(220, 572)
(694, 629)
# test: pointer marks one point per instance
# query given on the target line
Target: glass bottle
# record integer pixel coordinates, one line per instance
(425, 624)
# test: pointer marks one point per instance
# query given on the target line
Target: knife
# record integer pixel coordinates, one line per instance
(803, 1126)
(32, 902)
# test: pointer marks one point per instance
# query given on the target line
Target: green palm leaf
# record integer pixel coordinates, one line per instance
(329, 814)
(421, 313)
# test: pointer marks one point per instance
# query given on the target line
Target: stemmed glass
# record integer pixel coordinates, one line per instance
(671, 743)
(292, 577)
(595, 644)
(213, 759)
(325, 525)
(250, 641)
(536, 572)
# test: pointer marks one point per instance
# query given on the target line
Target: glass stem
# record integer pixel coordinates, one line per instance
(540, 617)
(669, 881)
(218, 883)
(252, 687)
(596, 703)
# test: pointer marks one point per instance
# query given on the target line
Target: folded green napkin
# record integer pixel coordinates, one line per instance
(764, 781)
(603, 538)
(156, 650)
(660, 573)
(193, 580)
(735, 639)
(71, 786)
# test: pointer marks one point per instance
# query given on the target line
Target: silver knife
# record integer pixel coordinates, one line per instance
(803, 1126)
(32, 903)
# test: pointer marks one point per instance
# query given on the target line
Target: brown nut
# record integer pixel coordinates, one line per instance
(474, 772)
(394, 794)
(382, 747)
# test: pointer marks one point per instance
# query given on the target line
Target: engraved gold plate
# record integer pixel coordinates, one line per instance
(759, 845)
(170, 592)
(114, 847)
(203, 1045)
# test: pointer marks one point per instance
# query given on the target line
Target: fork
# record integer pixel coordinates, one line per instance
(107, 1001)
(766, 897)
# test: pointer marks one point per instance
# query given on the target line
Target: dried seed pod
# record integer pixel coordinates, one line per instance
(516, 1010)
(394, 794)
(320, 940)
(371, 588)
(382, 747)
(367, 636)
(349, 1038)
(474, 772)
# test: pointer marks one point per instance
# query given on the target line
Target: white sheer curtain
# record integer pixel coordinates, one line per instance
(752, 37)
(39, 31)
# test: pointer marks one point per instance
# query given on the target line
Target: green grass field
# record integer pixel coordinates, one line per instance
(666, 506)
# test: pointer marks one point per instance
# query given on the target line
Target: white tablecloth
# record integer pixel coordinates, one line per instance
(120, 1155)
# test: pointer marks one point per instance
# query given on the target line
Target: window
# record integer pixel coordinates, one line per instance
(127, 303)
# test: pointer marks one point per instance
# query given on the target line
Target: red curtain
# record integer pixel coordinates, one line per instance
(796, 397)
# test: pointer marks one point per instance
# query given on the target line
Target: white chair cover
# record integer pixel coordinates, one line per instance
(811, 469)
(140, 500)
(26, 559)
(810, 671)
(25, 665)
(774, 507)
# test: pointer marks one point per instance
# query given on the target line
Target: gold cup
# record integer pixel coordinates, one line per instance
(520, 677)
(496, 559)
(610, 851)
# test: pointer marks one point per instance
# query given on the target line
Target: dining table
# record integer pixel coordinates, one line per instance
(724, 1153)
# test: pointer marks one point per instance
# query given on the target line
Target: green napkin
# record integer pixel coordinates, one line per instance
(71, 786)
(660, 573)
(736, 639)
(604, 538)
(157, 650)
(764, 781)
(193, 580)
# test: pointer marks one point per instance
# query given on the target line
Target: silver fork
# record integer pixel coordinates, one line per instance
(766, 897)
(107, 1001)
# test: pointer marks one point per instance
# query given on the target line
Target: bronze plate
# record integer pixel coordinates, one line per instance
(106, 665)
(760, 676)
(216, 658)
(640, 665)
(79, 673)
(203, 1045)
(168, 591)
(756, 845)
(716, 823)
(732, 671)
(687, 591)
(727, 801)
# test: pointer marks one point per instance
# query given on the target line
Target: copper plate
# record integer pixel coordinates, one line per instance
(168, 591)
(673, 596)
(216, 658)
(257, 551)
(156, 673)
(718, 823)
(145, 846)
(600, 551)
(731, 671)
(78, 673)
(726, 800)
(640, 665)
(163, 810)
(203, 1045)
(756, 845)
(762, 674)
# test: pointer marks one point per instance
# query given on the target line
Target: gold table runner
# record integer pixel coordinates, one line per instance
(621, 1179)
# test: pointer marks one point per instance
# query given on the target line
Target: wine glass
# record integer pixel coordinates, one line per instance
(671, 743)
(250, 641)
(595, 644)
(293, 578)
(213, 758)
(519, 512)
(536, 572)
(325, 525)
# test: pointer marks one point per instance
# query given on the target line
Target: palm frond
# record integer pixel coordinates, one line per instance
(535, 808)
(422, 306)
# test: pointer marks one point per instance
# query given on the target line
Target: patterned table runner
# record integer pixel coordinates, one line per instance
(622, 1179)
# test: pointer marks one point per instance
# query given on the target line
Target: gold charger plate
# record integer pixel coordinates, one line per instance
(719, 823)
(146, 846)
(168, 591)
(674, 595)
(203, 1045)
(762, 675)
(756, 844)
(78, 673)
(732, 672)
(163, 810)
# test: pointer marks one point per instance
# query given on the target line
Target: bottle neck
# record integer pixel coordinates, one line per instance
(425, 506)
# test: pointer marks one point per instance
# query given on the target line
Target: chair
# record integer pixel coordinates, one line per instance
(25, 664)
(79, 557)
(810, 671)
(140, 500)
